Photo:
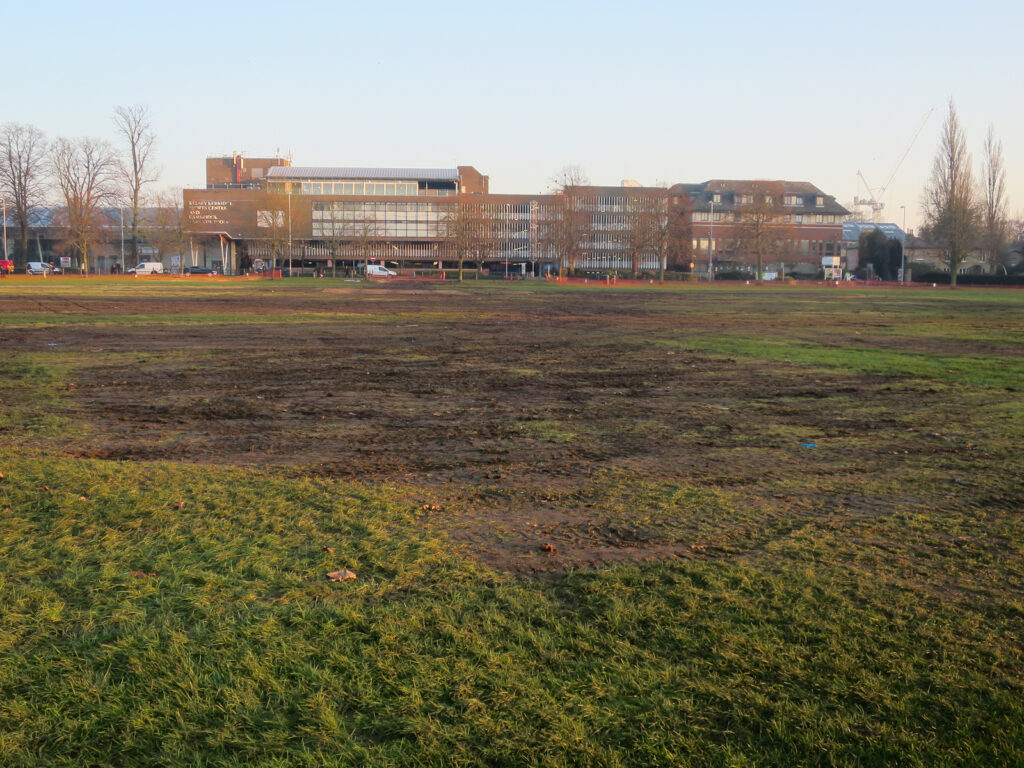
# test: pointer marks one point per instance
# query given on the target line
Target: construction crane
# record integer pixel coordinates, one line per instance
(874, 201)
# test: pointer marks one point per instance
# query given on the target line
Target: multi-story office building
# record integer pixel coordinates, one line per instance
(265, 208)
(789, 222)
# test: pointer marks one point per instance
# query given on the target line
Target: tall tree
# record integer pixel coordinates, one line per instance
(642, 227)
(274, 216)
(993, 198)
(134, 125)
(85, 171)
(163, 226)
(22, 177)
(761, 231)
(882, 252)
(470, 229)
(568, 225)
(949, 204)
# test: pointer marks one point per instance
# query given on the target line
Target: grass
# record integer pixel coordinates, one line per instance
(853, 615)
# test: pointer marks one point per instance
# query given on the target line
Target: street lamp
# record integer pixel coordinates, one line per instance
(903, 247)
(711, 239)
(122, 237)
(4, 199)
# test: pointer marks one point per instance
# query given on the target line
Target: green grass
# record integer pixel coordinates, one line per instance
(237, 650)
(858, 614)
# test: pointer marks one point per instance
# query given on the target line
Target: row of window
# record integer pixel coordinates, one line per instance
(745, 199)
(368, 188)
(798, 218)
(376, 229)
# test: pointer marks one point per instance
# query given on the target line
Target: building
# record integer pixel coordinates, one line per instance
(267, 210)
(792, 225)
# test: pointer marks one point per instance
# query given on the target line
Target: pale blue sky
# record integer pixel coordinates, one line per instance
(653, 91)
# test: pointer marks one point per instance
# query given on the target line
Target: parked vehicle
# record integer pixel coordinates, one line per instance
(201, 271)
(38, 268)
(6, 267)
(147, 268)
(379, 270)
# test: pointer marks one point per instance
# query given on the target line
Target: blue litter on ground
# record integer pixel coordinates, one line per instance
(810, 445)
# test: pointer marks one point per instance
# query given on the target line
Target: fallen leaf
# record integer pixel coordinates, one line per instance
(142, 574)
(82, 498)
(328, 550)
(179, 505)
(341, 575)
(549, 548)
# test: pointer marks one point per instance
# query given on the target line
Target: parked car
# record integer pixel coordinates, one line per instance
(379, 270)
(201, 271)
(147, 268)
(6, 267)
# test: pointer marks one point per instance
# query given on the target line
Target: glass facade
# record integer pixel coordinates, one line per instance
(373, 219)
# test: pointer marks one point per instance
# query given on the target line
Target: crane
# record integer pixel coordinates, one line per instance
(874, 201)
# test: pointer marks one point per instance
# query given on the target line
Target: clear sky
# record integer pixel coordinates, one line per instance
(652, 91)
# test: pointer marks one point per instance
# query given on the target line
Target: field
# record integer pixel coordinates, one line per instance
(702, 526)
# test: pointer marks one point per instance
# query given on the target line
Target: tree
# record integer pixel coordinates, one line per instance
(643, 226)
(85, 171)
(568, 226)
(993, 198)
(163, 227)
(133, 123)
(883, 253)
(22, 177)
(470, 229)
(273, 215)
(949, 205)
(761, 231)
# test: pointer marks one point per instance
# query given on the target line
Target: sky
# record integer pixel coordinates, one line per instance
(658, 92)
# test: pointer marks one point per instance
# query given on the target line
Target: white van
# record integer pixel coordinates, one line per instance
(147, 268)
(379, 270)
(37, 268)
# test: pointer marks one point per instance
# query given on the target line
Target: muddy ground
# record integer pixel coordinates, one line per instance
(548, 428)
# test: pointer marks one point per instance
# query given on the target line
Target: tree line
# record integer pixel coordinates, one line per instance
(962, 212)
(87, 177)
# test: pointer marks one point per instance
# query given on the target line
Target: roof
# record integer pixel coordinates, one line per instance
(729, 188)
(361, 174)
(852, 230)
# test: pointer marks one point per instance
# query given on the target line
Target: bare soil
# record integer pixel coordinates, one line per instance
(520, 415)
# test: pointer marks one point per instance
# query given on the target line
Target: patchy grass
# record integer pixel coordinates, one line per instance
(860, 602)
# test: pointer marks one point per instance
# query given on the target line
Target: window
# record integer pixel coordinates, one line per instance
(819, 201)
(791, 200)
(716, 198)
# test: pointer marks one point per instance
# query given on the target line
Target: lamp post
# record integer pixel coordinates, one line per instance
(122, 237)
(4, 199)
(711, 239)
(903, 248)
(289, 231)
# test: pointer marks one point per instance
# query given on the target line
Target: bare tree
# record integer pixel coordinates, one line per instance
(85, 172)
(761, 231)
(470, 229)
(163, 226)
(993, 198)
(133, 123)
(643, 227)
(273, 216)
(22, 177)
(949, 205)
(568, 225)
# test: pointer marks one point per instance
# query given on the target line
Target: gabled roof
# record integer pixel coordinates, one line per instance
(362, 174)
(727, 189)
